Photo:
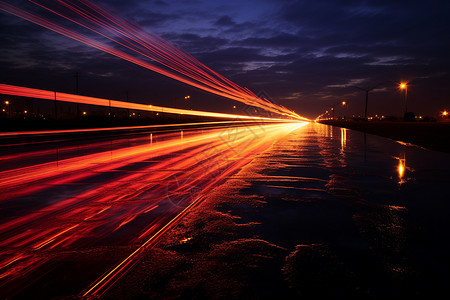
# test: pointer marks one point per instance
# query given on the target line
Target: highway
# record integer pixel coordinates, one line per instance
(77, 194)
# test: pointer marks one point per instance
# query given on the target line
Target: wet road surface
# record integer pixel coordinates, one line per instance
(73, 210)
(279, 210)
(325, 212)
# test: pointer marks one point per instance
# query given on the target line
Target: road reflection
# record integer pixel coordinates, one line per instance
(122, 195)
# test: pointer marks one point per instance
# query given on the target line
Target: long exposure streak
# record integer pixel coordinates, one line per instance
(49, 95)
(155, 179)
(139, 47)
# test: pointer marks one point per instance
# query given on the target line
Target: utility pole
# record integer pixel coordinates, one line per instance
(367, 90)
(76, 82)
(367, 100)
(76, 92)
(56, 109)
(128, 110)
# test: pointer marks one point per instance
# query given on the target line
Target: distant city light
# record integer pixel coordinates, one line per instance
(6, 102)
(403, 85)
(445, 113)
(84, 113)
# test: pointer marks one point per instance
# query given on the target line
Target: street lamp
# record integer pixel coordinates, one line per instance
(404, 86)
(343, 103)
(187, 98)
(9, 108)
(445, 113)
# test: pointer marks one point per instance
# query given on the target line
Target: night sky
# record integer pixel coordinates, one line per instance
(305, 55)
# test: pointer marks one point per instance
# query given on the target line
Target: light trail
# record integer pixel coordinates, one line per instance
(147, 127)
(157, 182)
(139, 47)
(13, 90)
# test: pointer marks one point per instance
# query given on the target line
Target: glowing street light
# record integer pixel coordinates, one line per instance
(404, 86)
(9, 108)
(445, 113)
(187, 98)
(344, 103)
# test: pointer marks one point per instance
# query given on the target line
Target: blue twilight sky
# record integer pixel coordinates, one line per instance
(305, 55)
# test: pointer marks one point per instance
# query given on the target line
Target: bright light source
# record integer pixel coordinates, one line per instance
(6, 102)
(84, 113)
(344, 103)
(445, 113)
(401, 168)
(403, 86)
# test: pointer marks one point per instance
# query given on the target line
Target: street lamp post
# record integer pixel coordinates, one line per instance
(404, 86)
(187, 98)
(8, 108)
(343, 103)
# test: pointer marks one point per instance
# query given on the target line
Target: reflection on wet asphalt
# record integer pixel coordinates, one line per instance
(324, 212)
(94, 208)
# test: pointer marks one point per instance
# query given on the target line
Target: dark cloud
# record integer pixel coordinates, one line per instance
(224, 21)
(196, 44)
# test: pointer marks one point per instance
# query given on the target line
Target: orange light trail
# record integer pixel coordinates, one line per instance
(52, 96)
(168, 176)
(141, 48)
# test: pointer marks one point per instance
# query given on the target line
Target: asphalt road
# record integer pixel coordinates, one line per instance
(78, 209)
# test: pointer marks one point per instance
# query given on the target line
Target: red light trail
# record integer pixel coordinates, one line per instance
(147, 49)
(157, 180)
